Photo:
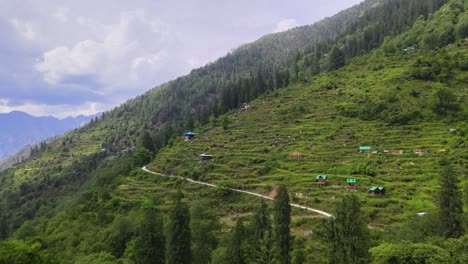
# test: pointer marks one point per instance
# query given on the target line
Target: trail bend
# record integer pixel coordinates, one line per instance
(239, 191)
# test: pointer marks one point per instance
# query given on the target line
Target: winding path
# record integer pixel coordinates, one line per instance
(239, 191)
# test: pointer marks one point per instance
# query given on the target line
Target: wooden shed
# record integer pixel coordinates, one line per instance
(364, 149)
(295, 155)
(321, 180)
(245, 107)
(189, 135)
(393, 151)
(205, 157)
(377, 191)
(351, 183)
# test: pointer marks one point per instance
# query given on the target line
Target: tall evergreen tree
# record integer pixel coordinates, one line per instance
(178, 232)
(204, 225)
(121, 233)
(450, 204)
(260, 226)
(281, 225)
(235, 250)
(266, 253)
(150, 244)
(3, 227)
(147, 142)
(348, 233)
(337, 59)
(261, 222)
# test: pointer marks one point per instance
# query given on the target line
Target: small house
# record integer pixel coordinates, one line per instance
(351, 183)
(189, 135)
(321, 180)
(377, 191)
(420, 152)
(421, 214)
(205, 157)
(244, 107)
(364, 149)
(410, 48)
(295, 155)
(393, 151)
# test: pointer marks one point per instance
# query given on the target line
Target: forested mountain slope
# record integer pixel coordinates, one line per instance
(292, 135)
(83, 197)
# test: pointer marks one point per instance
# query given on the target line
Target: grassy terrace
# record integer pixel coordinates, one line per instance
(253, 152)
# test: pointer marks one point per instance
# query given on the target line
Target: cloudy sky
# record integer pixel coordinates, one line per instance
(65, 58)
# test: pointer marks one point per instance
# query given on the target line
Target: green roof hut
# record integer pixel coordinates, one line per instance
(377, 191)
(364, 149)
(351, 183)
(321, 180)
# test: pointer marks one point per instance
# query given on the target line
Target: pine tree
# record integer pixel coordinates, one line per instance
(337, 59)
(266, 253)
(348, 233)
(121, 233)
(261, 222)
(235, 250)
(178, 233)
(261, 226)
(3, 227)
(450, 204)
(204, 226)
(281, 225)
(147, 142)
(150, 244)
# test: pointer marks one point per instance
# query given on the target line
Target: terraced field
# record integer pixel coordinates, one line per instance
(254, 151)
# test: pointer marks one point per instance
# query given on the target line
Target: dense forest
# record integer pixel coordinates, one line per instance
(392, 67)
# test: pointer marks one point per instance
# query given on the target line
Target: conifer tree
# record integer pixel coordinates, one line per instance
(204, 226)
(281, 225)
(147, 142)
(235, 250)
(3, 227)
(348, 233)
(150, 244)
(260, 226)
(266, 253)
(450, 204)
(178, 233)
(337, 59)
(261, 221)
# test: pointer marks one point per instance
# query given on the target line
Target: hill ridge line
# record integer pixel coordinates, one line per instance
(239, 191)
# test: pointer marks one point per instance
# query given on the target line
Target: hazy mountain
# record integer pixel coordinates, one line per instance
(20, 129)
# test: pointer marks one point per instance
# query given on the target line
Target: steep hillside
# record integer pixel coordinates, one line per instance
(266, 64)
(167, 111)
(372, 102)
(81, 197)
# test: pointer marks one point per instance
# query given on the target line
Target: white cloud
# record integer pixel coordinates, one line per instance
(62, 14)
(285, 24)
(82, 59)
(24, 28)
(59, 111)
(124, 56)
(69, 52)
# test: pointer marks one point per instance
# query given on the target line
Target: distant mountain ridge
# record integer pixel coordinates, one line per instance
(20, 129)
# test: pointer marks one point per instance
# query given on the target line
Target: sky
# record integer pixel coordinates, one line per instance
(66, 57)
